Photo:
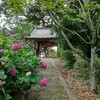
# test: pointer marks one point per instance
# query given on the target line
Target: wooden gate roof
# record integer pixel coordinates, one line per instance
(42, 33)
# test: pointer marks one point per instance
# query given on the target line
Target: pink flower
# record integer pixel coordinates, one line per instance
(13, 32)
(1, 51)
(43, 82)
(44, 65)
(1, 83)
(28, 73)
(13, 72)
(22, 42)
(36, 70)
(16, 47)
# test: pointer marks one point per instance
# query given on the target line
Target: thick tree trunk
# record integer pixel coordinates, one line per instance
(93, 69)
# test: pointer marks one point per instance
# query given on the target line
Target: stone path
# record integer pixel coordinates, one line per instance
(57, 88)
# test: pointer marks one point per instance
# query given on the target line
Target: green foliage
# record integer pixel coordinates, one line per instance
(24, 61)
(53, 53)
(82, 66)
(15, 7)
(17, 66)
(23, 29)
(6, 97)
(59, 52)
(68, 58)
(98, 71)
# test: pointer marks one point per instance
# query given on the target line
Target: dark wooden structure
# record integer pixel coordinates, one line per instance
(43, 40)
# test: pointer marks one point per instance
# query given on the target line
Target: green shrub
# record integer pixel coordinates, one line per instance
(59, 52)
(19, 67)
(68, 58)
(53, 53)
(83, 68)
(98, 71)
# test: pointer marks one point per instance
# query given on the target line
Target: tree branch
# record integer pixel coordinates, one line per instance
(98, 50)
(67, 29)
(91, 23)
(83, 29)
(87, 18)
(98, 26)
(72, 47)
(98, 30)
(81, 38)
(81, 5)
(67, 40)
(88, 38)
(50, 13)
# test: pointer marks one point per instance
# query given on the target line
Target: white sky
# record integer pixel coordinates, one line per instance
(54, 48)
(2, 20)
(0, 1)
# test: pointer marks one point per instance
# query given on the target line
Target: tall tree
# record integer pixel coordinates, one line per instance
(82, 13)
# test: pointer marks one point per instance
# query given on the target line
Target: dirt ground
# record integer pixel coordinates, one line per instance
(80, 89)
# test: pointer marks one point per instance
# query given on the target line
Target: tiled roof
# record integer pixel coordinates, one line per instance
(42, 33)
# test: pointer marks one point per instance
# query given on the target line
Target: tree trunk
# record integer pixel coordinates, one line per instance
(93, 69)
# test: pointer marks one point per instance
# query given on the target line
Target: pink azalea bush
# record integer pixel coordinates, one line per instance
(43, 82)
(19, 67)
(13, 72)
(16, 47)
(44, 65)
(36, 70)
